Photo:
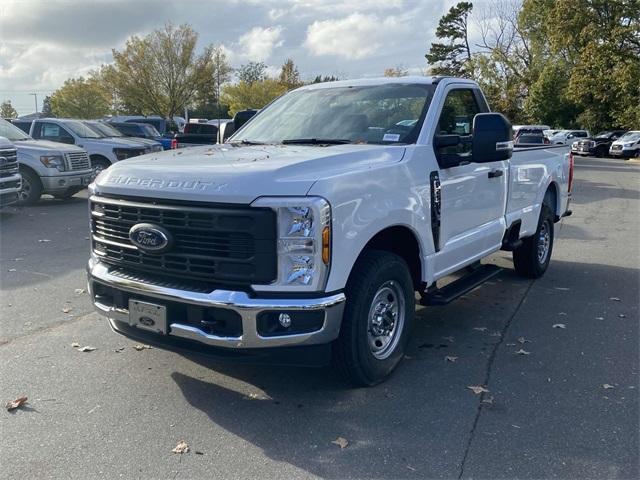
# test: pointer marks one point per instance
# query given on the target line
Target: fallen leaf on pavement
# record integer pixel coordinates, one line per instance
(599, 318)
(17, 403)
(606, 386)
(622, 315)
(480, 329)
(142, 347)
(341, 442)
(615, 299)
(478, 389)
(66, 309)
(86, 348)
(12, 270)
(559, 325)
(488, 400)
(495, 334)
(75, 344)
(523, 340)
(181, 447)
(78, 291)
(563, 289)
(562, 313)
(450, 358)
(448, 339)
(522, 352)
(119, 349)
(44, 240)
(511, 344)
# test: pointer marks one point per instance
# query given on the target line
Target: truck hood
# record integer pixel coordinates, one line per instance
(238, 174)
(44, 147)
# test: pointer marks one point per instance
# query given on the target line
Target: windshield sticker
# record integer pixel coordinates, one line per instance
(391, 137)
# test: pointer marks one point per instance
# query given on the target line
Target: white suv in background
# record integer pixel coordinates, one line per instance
(627, 146)
(102, 151)
(564, 137)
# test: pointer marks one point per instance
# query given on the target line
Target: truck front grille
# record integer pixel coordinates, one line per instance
(8, 162)
(78, 161)
(218, 244)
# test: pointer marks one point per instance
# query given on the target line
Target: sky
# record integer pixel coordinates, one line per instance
(43, 43)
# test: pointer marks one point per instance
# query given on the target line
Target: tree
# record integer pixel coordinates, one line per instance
(452, 58)
(205, 104)
(161, 73)
(289, 75)
(80, 98)
(46, 107)
(257, 94)
(252, 72)
(325, 78)
(397, 71)
(7, 110)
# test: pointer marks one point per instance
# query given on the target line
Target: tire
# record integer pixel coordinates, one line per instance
(31, 188)
(601, 152)
(532, 258)
(99, 164)
(370, 346)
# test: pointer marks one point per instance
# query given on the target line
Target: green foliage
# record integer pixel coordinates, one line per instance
(80, 98)
(453, 57)
(161, 72)
(256, 94)
(395, 72)
(7, 110)
(252, 72)
(46, 107)
(289, 75)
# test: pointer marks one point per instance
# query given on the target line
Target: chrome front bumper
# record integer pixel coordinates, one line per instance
(248, 308)
(64, 182)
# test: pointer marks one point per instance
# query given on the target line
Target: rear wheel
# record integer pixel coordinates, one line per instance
(99, 164)
(377, 318)
(532, 258)
(31, 188)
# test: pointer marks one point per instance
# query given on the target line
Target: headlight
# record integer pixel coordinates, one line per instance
(53, 161)
(628, 144)
(124, 153)
(304, 242)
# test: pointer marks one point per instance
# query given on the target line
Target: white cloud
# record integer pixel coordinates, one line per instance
(258, 43)
(354, 37)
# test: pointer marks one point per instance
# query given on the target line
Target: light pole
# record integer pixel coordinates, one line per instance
(36, 99)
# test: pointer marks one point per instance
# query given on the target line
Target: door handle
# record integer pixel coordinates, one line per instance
(495, 173)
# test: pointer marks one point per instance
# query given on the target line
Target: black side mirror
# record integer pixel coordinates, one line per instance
(492, 138)
(67, 139)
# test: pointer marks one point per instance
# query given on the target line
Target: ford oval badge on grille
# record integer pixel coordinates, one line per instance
(150, 238)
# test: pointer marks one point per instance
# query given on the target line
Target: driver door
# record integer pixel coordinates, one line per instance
(473, 195)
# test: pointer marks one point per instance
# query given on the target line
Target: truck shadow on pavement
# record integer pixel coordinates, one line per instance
(417, 424)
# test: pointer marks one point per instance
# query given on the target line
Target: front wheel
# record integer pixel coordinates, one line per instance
(31, 188)
(532, 258)
(377, 319)
(99, 165)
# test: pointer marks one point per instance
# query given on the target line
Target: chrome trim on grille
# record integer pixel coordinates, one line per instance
(77, 161)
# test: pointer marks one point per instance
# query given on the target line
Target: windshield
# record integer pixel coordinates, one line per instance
(604, 134)
(150, 130)
(630, 137)
(104, 130)
(380, 114)
(11, 132)
(81, 130)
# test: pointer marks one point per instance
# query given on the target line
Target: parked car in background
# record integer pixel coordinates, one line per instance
(531, 139)
(166, 128)
(107, 131)
(550, 132)
(24, 125)
(10, 179)
(144, 130)
(566, 137)
(536, 128)
(627, 146)
(205, 133)
(103, 151)
(48, 167)
(598, 146)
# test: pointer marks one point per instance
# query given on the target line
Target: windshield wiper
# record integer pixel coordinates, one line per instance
(247, 142)
(315, 141)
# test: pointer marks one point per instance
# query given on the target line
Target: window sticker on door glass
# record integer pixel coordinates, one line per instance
(391, 137)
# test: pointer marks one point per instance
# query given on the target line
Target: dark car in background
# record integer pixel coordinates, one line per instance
(144, 130)
(598, 146)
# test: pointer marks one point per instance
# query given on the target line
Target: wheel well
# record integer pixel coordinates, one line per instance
(22, 167)
(403, 242)
(551, 198)
(95, 157)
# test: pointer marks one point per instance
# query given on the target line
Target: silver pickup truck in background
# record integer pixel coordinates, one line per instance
(10, 180)
(48, 167)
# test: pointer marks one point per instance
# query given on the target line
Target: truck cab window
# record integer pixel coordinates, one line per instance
(456, 118)
(53, 132)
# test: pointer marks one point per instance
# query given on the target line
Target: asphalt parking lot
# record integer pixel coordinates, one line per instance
(569, 408)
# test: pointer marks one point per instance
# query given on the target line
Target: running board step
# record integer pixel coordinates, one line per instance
(463, 285)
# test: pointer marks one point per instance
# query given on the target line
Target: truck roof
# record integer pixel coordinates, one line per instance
(430, 80)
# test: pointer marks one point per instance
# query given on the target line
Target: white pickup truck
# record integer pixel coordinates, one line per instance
(10, 179)
(310, 232)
